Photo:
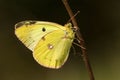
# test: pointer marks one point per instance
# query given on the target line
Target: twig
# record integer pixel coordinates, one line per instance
(81, 40)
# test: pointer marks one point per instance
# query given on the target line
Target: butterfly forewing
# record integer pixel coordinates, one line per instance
(30, 34)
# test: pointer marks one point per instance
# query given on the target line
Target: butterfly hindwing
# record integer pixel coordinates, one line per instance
(53, 50)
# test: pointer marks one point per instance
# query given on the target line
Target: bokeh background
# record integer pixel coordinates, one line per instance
(99, 21)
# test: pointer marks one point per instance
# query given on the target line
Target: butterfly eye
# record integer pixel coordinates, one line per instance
(66, 33)
(43, 29)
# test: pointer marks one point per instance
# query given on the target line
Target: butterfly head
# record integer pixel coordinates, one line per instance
(69, 30)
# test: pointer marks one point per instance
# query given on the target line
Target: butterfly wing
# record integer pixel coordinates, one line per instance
(50, 42)
(30, 32)
(53, 50)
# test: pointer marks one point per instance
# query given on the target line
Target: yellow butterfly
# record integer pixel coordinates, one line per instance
(49, 42)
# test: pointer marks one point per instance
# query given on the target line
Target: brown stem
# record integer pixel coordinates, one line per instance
(81, 40)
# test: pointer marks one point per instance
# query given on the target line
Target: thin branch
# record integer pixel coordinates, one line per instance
(73, 16)
(81, 40)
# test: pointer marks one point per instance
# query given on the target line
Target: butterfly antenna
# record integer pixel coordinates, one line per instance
(73, 16)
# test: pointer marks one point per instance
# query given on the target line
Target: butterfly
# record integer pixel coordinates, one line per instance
(49, 42)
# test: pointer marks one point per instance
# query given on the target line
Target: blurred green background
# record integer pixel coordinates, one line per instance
(99, 21)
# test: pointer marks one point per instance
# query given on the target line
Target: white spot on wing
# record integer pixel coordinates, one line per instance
(50, 46)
